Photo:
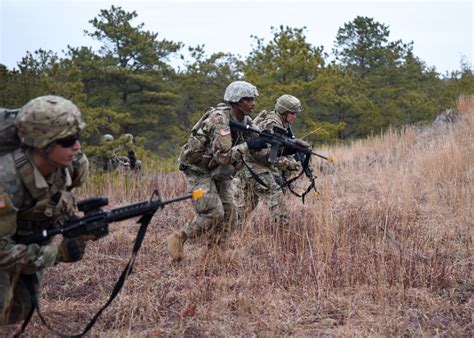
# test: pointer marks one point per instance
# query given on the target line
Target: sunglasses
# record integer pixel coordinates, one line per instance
(68, 141)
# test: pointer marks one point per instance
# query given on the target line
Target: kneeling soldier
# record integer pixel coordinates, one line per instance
(36, 180)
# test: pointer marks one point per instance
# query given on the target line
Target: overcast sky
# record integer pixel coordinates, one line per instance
(442, 31)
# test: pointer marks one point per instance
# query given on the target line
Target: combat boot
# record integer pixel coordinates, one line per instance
(175, 245)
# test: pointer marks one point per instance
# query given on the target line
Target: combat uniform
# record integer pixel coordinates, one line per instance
(28, 202)
(256, 180)
(209, 160)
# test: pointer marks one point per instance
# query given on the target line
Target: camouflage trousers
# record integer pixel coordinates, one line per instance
(216, 213)
(15, 300)
(248, 192)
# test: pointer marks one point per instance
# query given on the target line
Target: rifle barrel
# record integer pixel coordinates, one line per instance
(140, 208)
(316, 154)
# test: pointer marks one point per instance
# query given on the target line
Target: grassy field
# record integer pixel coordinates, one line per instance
(386, 250)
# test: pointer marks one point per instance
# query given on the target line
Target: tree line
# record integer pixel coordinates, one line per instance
(130, 86)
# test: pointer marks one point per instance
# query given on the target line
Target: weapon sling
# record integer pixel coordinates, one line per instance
(312, 185)
(305, 164)
(253, 173)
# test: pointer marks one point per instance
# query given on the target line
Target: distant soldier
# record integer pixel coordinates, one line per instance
(109, 155)
(209, 160)
(135, 163)
(36, 183)
(261, 180)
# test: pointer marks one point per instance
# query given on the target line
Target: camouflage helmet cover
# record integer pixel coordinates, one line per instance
(128, 136)
(46, 119)
(237, 90)
(288, 103)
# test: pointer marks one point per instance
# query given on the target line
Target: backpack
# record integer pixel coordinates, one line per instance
(193, 150)
(9, 139)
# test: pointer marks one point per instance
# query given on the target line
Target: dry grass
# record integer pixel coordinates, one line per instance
(385, 251)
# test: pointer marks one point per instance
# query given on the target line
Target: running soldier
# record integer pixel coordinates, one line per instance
(260, 180)
(209, 160)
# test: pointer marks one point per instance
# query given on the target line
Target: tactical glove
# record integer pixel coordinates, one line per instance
(71, 249)
(288, 151)
(256, 143)
(223, 172)
(38, 257)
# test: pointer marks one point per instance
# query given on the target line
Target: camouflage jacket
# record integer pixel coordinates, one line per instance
(29, 201)
(212, 143)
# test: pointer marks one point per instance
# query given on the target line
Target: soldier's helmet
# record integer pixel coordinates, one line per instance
(237, 90)
(107, 138)
(288, 103)
(48, 118)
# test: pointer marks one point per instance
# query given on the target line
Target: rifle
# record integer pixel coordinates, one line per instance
(95, 220)
(95, 223)
(279, 139)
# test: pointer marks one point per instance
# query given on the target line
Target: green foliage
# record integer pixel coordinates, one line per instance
(130, 47)
(459, 83)
(283, 64)
(202, 83)
(129, 86)
(401, 89)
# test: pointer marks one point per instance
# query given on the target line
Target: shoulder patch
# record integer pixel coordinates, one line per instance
(224, 131)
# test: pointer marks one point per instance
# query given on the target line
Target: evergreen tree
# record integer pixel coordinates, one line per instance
(134, 78)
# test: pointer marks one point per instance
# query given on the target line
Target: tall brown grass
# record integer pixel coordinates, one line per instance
(386, 250)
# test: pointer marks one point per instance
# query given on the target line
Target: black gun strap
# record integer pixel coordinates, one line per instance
(312, 185)
(312, 179)
(253, 173)
(30, 282)
(144, 220)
